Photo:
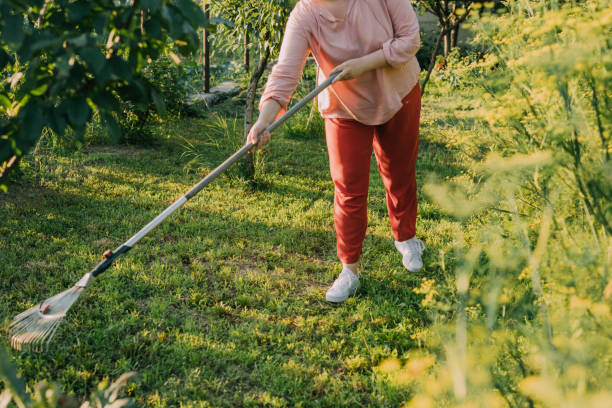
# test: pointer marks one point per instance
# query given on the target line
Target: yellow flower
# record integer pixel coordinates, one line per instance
(417, 366)
(389, 365)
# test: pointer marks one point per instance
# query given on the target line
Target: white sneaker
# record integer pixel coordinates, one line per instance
(411, 251)
(346, 285)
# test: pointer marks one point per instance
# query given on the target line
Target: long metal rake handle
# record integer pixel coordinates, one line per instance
(111, 256)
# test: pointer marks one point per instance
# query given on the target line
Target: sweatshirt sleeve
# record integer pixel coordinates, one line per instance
(406, 39)
(286, 74)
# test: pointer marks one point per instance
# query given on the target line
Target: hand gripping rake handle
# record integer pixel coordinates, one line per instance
(110, 256)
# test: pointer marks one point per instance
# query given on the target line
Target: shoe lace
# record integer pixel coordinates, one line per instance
(342, 280)
(416, 245)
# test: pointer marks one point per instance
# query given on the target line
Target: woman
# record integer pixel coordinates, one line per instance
(374, 103)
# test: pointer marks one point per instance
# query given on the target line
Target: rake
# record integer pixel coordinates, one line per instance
(34, 329)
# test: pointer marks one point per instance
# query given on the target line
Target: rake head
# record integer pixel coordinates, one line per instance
(34, 328)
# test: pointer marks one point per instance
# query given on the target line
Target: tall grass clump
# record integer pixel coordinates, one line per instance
(223, 135)
(526, 321)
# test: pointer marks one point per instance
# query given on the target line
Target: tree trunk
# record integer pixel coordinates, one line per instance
(248, 163)
(446, 40)
(247, 54)
(454, 36)
(432, 61)
(206, 53)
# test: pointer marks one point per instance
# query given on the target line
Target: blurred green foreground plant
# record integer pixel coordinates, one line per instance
(50, 396)
(526, 321)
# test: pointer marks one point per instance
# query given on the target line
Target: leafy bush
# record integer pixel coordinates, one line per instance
(527, 319)
(62, 60)
(459, 69)
(173, 82)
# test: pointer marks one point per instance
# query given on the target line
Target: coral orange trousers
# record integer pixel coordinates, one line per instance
(395, 144)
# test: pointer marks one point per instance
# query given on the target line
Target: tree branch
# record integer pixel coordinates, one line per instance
(8, 167)
(443, 32)
(432, 60)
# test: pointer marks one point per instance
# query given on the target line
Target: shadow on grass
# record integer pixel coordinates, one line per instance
(36, 216)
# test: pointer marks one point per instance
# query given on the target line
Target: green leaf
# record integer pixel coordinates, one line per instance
(94, 59)
(8, 374)
(4, 59)
(173, 19)
(6, 148)
(79, 133)
(153, 28)
(111, 125)
(220, 20)
(40, 90)
(160, 106)
(104, 74)
(44, 39)
(44, 43)
(194, 40)
(192, 12)
(57, 121)
(79, 41)
(154, 53)
(78, 111)
(140, 88)
(63, 64)
(134, 95)
(106, 101)
(152, 5)
(13, 32)
(32, 120)
(5, 102)
(120, 68)
(79, 10)
(100, 22)
(59, 86)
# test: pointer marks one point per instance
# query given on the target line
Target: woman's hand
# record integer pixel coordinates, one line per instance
(269, 111)
(350, 69)
(256, 129)
(358, 66)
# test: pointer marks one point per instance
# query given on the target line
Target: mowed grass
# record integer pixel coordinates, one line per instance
(223, 304)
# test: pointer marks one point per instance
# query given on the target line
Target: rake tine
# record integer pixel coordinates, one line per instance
(28, 337)
(33, 341)
(37, 341)
(23, 315)
(25, 328)
(47, 340)
(39, 338)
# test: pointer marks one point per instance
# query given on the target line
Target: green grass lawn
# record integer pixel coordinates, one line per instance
(223, 304)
